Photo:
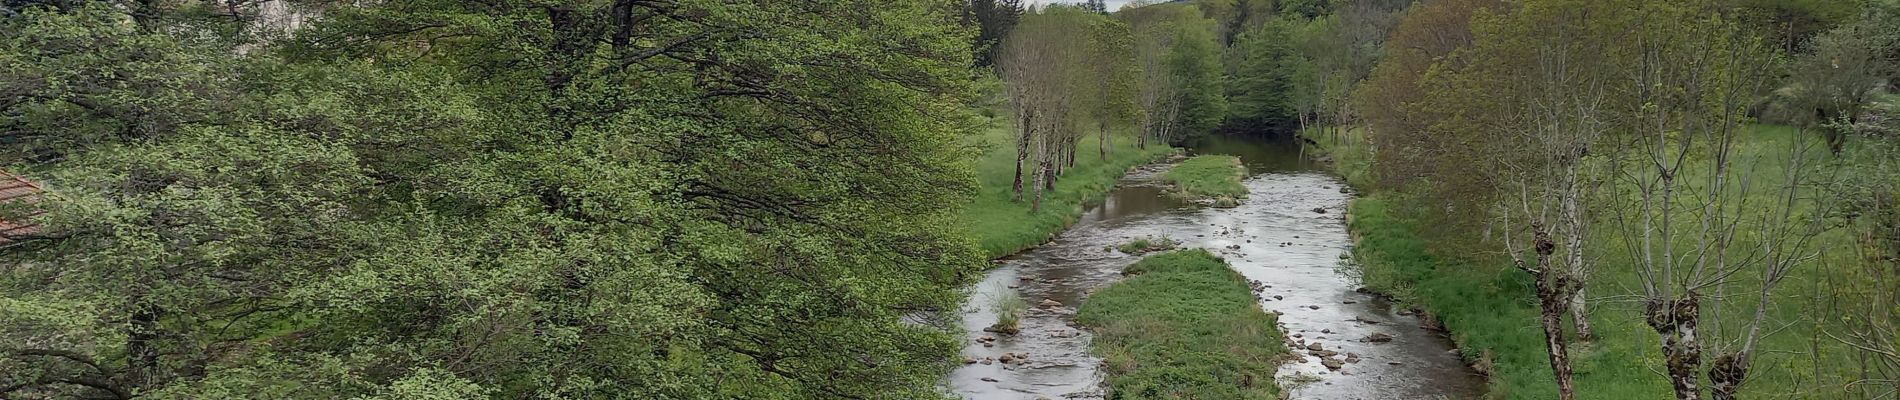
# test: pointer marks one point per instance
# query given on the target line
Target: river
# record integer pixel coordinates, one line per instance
(1279, 236)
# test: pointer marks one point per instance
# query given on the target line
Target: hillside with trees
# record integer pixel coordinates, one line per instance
(763, 199)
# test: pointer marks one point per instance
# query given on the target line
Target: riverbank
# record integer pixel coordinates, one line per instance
(1215, 178)
(1489, 309)
(1184, 324)
(1002, 225)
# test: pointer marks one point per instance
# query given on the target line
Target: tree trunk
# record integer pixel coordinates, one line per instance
(1042, 172)
(1554, 301)
(1576, 231)
(1302, 124)
(1579, 313)
(1141, 138)
(1072, 147)
(1022, 151)
(1104, 141)
(1675, 321)
(1726, 375)
(1553, 286)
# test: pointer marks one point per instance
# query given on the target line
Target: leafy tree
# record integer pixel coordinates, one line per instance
(1839, 75)
(1112, 67)
(1193, 63)
(1265, 87)
(617, 199)
(993, 19)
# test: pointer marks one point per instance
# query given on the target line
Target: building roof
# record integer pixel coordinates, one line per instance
(15, 188)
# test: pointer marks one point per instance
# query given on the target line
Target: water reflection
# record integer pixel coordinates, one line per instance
(1260, 155)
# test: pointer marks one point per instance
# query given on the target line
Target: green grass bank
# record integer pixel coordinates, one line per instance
(1490, 310)
(1207, 177)
(1004, 226)
(1184, 325)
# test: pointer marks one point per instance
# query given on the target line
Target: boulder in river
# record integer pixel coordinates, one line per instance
(1377, 338)
(1050, 303)
(1315, 346)
(1320, 210)
(1332, 364)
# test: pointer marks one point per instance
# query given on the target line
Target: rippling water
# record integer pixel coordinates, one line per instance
(1275, 237)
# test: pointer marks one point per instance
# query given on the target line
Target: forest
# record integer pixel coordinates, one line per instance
(764, 199)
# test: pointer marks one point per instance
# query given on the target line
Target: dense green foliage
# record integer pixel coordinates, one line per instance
(1180, 87)
(1184, 325)
(1208, 176)
(692, 199)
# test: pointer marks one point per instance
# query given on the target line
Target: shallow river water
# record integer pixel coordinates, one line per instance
(1284, 241)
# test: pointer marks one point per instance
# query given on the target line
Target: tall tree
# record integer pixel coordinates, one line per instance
(993, 19)
(1533, 94)
(619, 199)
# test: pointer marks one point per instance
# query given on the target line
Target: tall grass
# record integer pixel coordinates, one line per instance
(1184, 326)
(1210, 176)
(1009, 308)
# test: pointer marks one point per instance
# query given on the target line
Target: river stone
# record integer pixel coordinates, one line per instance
(989, 379)
(1315, 346)
(1378, 338)
(1050, 303)
(1332, 364)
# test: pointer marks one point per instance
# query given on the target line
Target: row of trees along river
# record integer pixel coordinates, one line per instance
(774, 199)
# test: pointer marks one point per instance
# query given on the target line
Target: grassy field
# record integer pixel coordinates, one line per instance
(1489, 306)
(1184, 326)
(1004, 226)
(1208, 176)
